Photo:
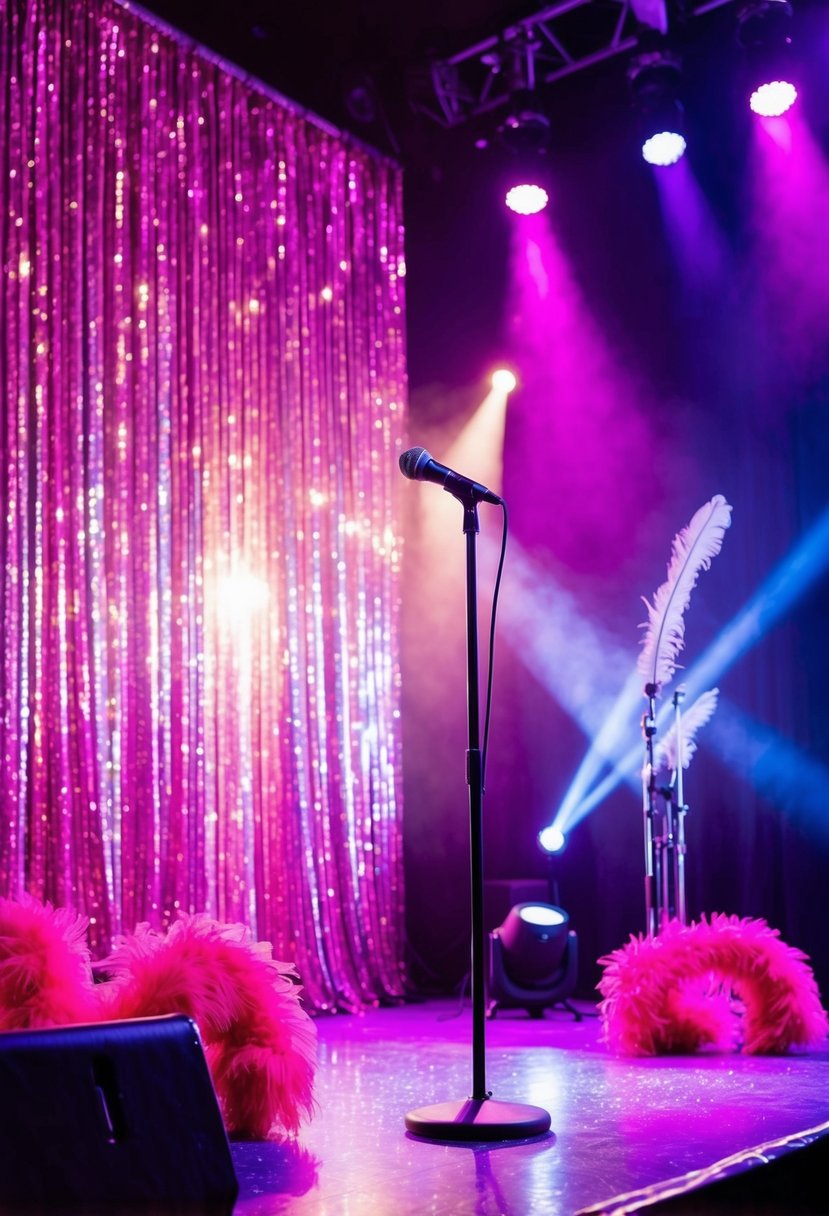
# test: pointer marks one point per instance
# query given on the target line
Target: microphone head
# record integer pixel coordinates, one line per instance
(413, 461)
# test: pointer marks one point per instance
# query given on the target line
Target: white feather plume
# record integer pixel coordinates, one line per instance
(667, 751)
(693, 549)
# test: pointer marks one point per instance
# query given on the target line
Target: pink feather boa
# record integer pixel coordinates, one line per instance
(259, 1042)
(673, 992)
(45, 966)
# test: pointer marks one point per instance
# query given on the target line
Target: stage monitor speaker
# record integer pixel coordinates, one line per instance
(119, 1117)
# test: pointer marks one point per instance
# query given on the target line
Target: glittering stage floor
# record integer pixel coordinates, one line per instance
(617, 1125)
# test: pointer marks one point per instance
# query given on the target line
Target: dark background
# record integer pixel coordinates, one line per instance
(727, 410)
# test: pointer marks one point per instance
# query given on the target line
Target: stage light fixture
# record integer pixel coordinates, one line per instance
(664, 148)
(551, 839)
(773, 99)
(503, 380)
(552, 842)
(525, 134)
(526, 198)
(764, 33)
(534, 937)
(655, 74)
(533, 960)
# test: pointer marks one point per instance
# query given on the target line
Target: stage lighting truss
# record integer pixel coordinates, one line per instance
(555, 42)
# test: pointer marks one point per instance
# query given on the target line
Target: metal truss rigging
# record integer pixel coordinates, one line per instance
(555, 42)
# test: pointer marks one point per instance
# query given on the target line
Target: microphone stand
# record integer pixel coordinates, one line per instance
(665, 846)
(477, 1117)
(680, 847)
(673, 878)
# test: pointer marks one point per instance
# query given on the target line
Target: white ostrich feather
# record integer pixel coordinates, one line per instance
(693, 549)
(667, 751)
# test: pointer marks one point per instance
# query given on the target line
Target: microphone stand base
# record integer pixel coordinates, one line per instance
(472, 1119)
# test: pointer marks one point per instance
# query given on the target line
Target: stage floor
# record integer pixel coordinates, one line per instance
(617, 1124)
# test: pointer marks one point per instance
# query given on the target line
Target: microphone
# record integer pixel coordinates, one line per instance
(418, 465)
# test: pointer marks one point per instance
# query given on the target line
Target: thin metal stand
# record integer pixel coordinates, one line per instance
(477, 1117)
(680, 909)
(664, 819)
(649, 809)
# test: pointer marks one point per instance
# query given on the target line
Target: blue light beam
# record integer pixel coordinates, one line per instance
(787, 583)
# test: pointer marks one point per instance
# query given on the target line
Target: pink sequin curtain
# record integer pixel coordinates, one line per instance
(203, 398)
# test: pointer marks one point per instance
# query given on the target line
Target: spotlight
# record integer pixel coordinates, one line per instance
(503, 380)
(655, 75)
(524, 134)
(763, 31)
(533, 960)
(773, 99)
(551, 839)
(664, 148)
(526, 198)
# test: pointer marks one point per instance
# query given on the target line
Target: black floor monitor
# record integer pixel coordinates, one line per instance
(117, 1117)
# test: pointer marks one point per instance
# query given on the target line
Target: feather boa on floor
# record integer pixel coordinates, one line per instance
(675, 992)
(259, 1042)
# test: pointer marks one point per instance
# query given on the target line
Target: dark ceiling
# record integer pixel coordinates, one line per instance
(348, 61)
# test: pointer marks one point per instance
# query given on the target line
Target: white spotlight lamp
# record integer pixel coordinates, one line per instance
(526, 198)
(503, 380)
(655, 76)
(525, 134)
(533, 960)
(551, 839)
(664, 148)
(764, 33)
(552, 843)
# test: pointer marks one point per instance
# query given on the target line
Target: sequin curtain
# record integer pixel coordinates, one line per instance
(203, 391)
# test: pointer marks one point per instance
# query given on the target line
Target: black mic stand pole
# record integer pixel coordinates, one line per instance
(477, 1117)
